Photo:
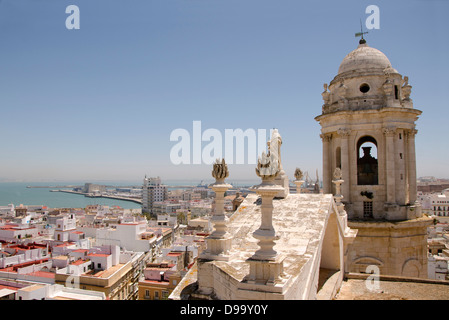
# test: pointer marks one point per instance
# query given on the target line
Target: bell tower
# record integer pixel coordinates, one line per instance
(368, 131)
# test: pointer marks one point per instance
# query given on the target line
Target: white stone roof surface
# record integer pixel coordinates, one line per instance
(298, 220)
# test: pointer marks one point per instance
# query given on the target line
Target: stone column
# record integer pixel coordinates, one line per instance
(298, 184)
(389, 165)
(344, 134)
(219, 218)
(219, 241)
(266, 266)
(412, 165)
(388, 89)
(266, 233)
(327, 188)
(401, 179)
(338, 196)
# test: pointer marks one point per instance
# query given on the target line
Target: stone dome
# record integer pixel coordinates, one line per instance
(365, 58)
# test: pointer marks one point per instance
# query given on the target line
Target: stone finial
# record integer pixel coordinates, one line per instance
(406, 89)
(325, 94)
(405, 81)
(337, 174)
(268, 166)
(219, 241)
(220, 170)
(298, 174)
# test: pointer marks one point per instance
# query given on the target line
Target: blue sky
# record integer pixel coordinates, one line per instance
(99, 103)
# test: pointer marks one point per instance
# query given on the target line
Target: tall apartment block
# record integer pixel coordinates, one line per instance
(152, 191)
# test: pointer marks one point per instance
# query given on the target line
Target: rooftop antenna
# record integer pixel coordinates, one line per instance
(361, 33)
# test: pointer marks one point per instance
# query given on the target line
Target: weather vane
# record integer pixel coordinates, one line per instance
(361, 33)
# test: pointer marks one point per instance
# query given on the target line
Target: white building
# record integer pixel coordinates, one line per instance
(67, 235)
(17, 232)
(440, 203)
(152, 191)
(16, 254)
(93, 188)
(7, 211)
(57, 292)
(438, 267)
(128, 235)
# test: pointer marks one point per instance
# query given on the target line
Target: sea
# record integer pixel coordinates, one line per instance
(18, 193)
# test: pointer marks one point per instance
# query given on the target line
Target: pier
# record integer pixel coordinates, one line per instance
(90, 195)
(54, 187)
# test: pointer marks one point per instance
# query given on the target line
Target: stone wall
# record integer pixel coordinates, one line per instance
(396, 248)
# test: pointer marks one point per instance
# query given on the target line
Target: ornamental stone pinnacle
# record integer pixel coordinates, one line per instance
(299, 182)
(219, 241)
(268, 168)
(220, 170)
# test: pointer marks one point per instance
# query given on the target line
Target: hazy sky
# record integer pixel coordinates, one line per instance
(101, 102)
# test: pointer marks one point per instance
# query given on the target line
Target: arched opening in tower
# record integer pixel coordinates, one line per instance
(367, 164)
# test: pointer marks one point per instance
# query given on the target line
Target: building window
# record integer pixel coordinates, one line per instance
(156, 295)
(396, 92)
(367, 167)
(367, 209)
(338, 157)
(364, 88)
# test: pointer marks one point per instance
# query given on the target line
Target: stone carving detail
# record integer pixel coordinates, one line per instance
(405, 81)
(389, 70)
(268, 164)
(337, 174)
(406, 89)
(389, 131)
(326, 94)
(410, 133)
(326, 137)
(298, 174)
(388, 88)
(343, 132)
(342, 90)
(220, 170)
(338, 196)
